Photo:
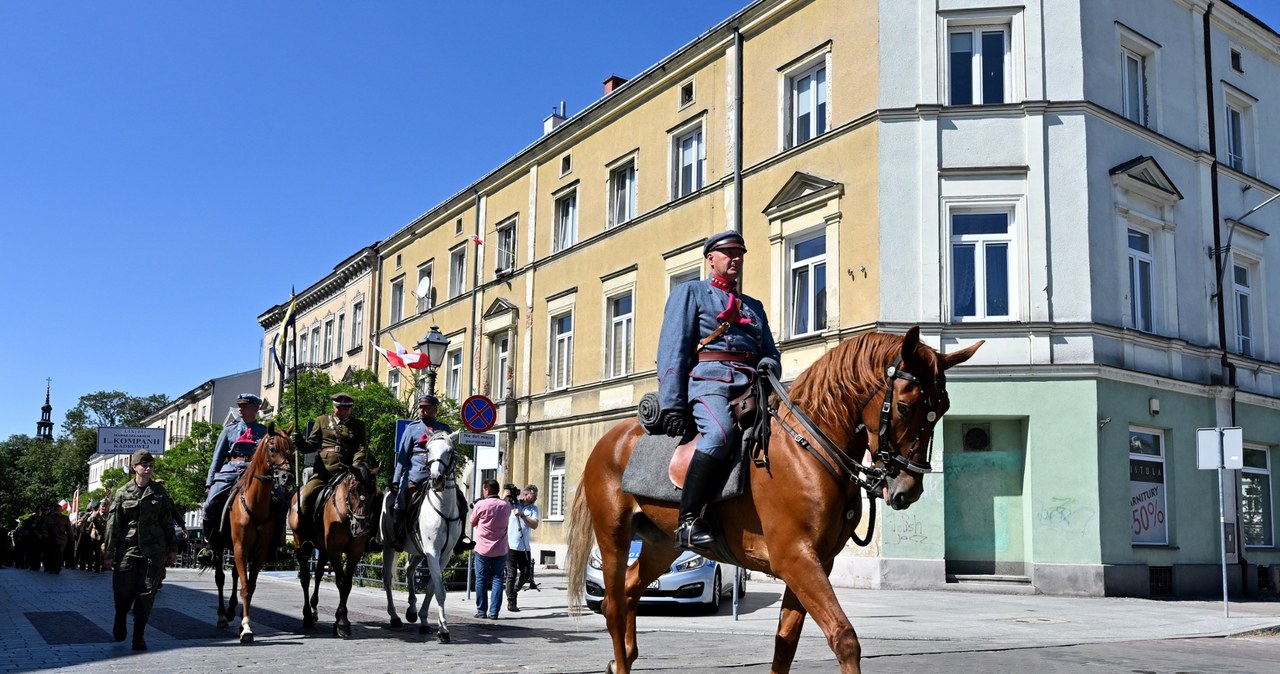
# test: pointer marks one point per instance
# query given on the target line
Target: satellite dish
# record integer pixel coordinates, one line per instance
(424, 287)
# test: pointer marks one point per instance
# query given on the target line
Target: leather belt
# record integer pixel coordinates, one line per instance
(747, 357)
(330, 450)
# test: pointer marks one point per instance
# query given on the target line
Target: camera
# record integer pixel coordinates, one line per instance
(511, 494)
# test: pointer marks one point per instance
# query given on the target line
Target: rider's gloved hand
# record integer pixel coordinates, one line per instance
(768, 364)
(299, 440)
(673, 422)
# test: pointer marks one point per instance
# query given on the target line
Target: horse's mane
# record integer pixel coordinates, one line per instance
(847, 375)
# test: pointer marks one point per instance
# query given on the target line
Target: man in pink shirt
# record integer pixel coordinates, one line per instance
(490, 518)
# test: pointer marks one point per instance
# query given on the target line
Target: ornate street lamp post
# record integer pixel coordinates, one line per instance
(434, 345)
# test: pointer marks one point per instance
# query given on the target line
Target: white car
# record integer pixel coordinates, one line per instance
(692, 579)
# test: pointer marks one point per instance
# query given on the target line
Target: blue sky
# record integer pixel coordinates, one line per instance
(169, 169)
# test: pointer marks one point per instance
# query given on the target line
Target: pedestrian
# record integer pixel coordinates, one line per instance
(489, 520)
(713, 339)
(56, 536)
(341, 441)
(524, 519)
(94, 532)
(140, 542)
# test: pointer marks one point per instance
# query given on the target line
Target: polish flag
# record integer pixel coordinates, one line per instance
(478, 241)
(402, 357)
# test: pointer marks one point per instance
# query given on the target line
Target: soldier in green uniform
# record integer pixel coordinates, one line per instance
(140, 542)
(341, 441)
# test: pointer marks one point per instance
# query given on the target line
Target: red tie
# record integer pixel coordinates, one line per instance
(733, 310)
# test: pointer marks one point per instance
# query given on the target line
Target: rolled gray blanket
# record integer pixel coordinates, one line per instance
(650, 414)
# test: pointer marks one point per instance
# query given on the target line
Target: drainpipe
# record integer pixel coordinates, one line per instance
(737, 130)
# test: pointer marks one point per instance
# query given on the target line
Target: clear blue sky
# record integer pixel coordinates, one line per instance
(169, 169)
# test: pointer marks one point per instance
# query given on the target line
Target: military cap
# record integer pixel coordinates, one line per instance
(93, 504)
(141, 456)
(249, 398)
(723, 240)
(427, 398)
(343, 400)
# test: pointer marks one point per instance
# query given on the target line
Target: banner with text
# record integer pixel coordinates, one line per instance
(124, 440)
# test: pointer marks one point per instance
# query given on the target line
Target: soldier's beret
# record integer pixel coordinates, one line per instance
(343, 400)
(141, 456)
(93, 504)
(427, 398)
(249, 398)
(723, 240)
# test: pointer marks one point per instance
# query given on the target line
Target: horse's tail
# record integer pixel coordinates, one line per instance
(581, 536)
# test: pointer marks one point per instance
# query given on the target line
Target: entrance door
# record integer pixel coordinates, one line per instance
(984, 505)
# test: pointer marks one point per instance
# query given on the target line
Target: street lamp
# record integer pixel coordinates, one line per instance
(434, 345)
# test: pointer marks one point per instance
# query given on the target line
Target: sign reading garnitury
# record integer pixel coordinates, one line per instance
(122, 440)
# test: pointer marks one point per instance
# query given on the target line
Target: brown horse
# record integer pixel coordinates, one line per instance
(349, 515)
(874, 392)
(253, 527)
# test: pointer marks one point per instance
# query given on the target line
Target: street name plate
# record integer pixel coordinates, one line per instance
(478, 439)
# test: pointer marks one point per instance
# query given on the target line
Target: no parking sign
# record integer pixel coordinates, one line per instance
(479, 414)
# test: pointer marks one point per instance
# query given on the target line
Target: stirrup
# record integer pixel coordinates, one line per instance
(692, 535)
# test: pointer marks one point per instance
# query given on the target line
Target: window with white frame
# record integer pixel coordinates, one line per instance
(1236, 137)
(505, 258)
(619, 350)
(271, 362)
(1150, 524)
(458, 271)
(683, 276)
(393, 382)
(565, 233)
(453, 374)
(338, 333)
(1257, 521)
(422, 290)
(979, 65)
(808, 284)
(328, 340)
(1242, 292)
(304, 350)
(561, 374)
(1133, 76)
(357, 325)
(500, 365)
(1239, 128)
(688, 161)
(555, 486)
(315, 344)
(397, 300)
(1141, 275)
(806, 104)
(982, 265)
(622, 193)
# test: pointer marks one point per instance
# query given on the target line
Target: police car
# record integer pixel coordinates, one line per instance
(692, 579)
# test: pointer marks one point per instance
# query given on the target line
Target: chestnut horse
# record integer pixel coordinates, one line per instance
(349, 513)
(874, 393)
(252, 526)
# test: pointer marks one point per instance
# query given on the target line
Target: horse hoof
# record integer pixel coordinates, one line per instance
(342, 631)
(395, 622)
(609, 668)
(443, 637)
(246, 638)
(222, 623)
(411, 616)
(423, 629)
(307, 623)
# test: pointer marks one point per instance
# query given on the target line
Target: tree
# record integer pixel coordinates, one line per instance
(111, 408)
(184, 466)
(112, 478)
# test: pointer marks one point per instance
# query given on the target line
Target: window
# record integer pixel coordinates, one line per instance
(683, 277)
(1237, 63)
(397, 260)
(423, 289)
(688, 158)
(393, 382)
(807, 105)
(808, 307)
(1242, 290)
(457, 227)
(1134, 81)
(500, 366)
(1140, 280)
(566, 165)
(982, 266)
(1256, 523)
(1235, 137)
(555, 486)
(561, 373)
(978, 65)
(457, 271)
(618, 343)
(686, 95)
(397, 300)
(566, 223)
(505, 259)
(622, 193)
(357, 325)
(1146, 487)
(315, 344)
(328, 340)
(453, 375)
(303, 350)
(342, 324)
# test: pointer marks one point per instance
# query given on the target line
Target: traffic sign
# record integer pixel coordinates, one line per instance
(479, 414)
(478, 439)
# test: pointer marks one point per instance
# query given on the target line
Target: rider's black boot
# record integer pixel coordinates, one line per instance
(692, 531)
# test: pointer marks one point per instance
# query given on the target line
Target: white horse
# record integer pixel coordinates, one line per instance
(431, 536)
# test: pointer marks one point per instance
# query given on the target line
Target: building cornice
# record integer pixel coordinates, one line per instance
(326, 288)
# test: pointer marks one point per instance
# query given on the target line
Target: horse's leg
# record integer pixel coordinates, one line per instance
(790, 623)
(344, 572)
(808, 582)
(437, 589)
(389, 579)
(220, 577)
(314, 601)
(304, 577)
(411, 578)
(235, 584)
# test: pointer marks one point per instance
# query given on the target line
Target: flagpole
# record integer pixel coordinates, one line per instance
(297, 462)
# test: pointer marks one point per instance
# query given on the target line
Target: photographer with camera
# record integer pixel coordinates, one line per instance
(524, 519)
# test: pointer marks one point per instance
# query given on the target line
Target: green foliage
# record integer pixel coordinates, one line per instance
(111, 408)
(184, 466)
(112, 478)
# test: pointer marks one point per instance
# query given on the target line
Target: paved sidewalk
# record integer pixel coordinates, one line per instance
(62, 623)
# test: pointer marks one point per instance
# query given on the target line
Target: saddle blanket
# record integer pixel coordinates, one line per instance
(646, 472)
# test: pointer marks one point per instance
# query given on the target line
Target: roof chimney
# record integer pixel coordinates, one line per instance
(553, 121)
(613, 82)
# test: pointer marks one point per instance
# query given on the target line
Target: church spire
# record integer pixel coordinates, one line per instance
(44, 427)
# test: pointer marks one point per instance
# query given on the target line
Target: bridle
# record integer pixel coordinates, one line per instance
(359, 520)
(278, 473)
(447, 460)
